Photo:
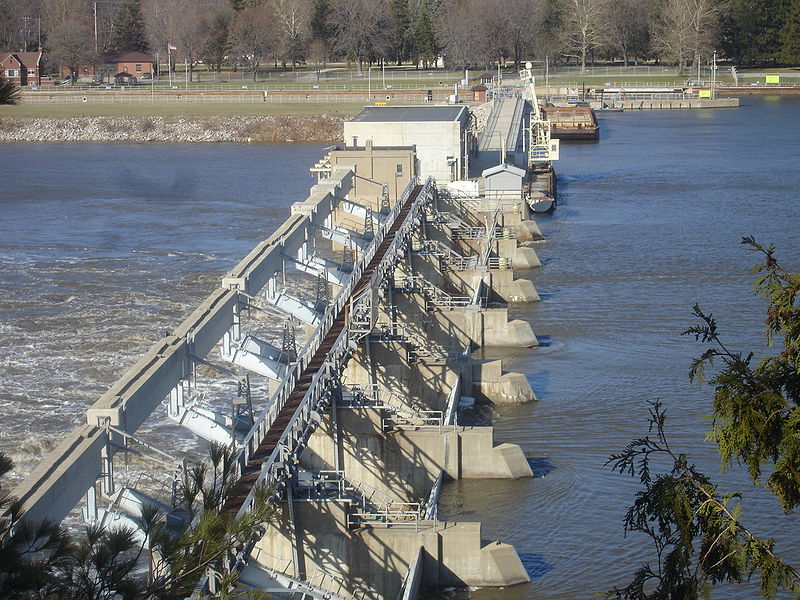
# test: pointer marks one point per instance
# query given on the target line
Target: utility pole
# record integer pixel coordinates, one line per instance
(95, 27)
(547, 77)
(714, 76)
(24, 33)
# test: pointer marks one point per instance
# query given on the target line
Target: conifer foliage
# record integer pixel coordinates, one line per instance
(129, 30)
(698, 532)
(9, 92)
(40, 560)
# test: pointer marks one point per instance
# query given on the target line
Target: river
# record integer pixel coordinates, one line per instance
(103, 247)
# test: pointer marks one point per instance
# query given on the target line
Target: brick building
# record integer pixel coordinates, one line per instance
(23, 68)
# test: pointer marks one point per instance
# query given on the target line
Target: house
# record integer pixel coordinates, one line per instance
(478, 93)
(485, 78)
(24, 68)
(120, 67)
(135, 64)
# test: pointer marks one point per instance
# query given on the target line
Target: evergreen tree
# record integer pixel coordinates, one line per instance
(399, 29)
(217, 43)
(750, 30)
(698, 532)
(790, 35)
(322, 30)
(424, 38)
(129, 32)
(9, 92)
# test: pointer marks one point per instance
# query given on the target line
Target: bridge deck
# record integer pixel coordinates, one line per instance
(504, 121)
(268, 444)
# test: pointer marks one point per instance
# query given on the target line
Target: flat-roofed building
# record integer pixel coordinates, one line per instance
(441, 135)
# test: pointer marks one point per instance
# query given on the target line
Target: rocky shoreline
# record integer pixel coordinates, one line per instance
(269, 129)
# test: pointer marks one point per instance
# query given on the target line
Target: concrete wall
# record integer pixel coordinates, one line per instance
(375, 167)
(373, 561)
(434, 141)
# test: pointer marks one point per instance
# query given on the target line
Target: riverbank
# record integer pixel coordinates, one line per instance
(268, 129)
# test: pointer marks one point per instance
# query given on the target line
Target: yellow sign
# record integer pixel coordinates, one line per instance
(380, 104)
(705, 93)
(773, 78)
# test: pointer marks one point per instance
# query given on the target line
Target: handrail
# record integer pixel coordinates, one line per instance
(315, 392)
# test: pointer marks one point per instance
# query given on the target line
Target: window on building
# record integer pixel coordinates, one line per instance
(398, 170)
(11, 72)
(32, 72)
(138, 68)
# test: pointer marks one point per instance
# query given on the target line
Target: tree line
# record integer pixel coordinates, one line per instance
(253, 34)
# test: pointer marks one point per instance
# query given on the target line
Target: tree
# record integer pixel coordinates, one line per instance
(790, 35)
(399, 24)
(253, 37)
(626, 23)
(750, 30)
(292, 17)
(463, 34)
(584, 27)
(519, 22)
(129, 31)
(424, 37)
(322, 29)
(9, 92)
(698, 532)
(361, 29)
(41, 560)
(71, 45)
(685, 30)
(217, 43)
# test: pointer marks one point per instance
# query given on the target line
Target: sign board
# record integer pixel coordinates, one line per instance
(704, 94)
(773, 78)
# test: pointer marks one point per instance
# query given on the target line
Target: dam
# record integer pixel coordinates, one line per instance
(407, 270)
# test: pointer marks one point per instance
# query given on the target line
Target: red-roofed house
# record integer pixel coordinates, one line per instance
(23, 68)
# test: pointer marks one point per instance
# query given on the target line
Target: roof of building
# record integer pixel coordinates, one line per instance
(478, 88)
(485, 75)
(28, 59)
(503, 168)
(409, 114)
(132, 57)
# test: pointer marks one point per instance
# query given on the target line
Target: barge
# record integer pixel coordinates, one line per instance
(572, 122)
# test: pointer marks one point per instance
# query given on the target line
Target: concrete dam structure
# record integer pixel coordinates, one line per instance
(394, 279)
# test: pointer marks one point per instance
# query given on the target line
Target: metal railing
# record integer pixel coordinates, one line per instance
(435, 295)
(395, 514)
(314, 393)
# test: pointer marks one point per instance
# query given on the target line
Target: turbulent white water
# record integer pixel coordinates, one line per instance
(114, 246)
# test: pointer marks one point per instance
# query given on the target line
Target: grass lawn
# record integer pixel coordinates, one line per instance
(187, 109)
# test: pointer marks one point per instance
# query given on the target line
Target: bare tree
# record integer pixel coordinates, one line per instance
(253, 36)
(293, 18)
(685, 29)
(584, 27)
(626, 23)
(464, 33)
(361, 27)
(520, 21)
(71, 45)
